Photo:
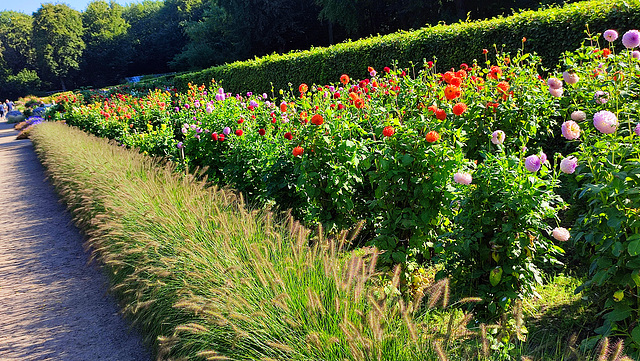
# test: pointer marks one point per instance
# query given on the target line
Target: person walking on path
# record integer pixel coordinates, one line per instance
(53, 304)
(9, 105)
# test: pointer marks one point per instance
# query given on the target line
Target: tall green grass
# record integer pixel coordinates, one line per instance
(205, 278)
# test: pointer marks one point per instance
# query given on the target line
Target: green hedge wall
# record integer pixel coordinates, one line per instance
(549, 33)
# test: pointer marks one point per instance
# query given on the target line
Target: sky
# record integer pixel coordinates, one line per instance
(31, 6)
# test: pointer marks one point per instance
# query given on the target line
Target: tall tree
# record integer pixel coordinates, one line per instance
(15, 41)
(57, 39)
(105, 58)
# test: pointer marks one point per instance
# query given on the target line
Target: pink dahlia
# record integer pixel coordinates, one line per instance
(570, 130)
(610, 35)
(570, 77)
(600, 97)
(605, 121)
(637, 130)
(556, 92)
(568, 165)
(497, 137)
(561, 234)
(578, 116)
(462, 178)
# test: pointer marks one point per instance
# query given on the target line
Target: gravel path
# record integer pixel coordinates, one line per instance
(53, 305)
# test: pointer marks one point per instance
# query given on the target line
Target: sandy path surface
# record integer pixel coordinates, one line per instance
(53, 305)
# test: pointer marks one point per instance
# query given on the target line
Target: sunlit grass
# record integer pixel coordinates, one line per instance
(204, 277)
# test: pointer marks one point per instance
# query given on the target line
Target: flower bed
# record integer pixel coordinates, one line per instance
(445, 166)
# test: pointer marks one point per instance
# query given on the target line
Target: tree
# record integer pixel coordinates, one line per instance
(57, 39)
(106, 56)
(15, 40)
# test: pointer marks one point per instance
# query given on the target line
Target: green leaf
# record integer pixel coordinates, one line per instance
(635, 335)
(634, 247)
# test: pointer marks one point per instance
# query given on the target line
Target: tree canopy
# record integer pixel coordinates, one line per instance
(58, 46)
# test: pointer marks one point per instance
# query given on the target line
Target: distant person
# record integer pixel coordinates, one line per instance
(9, 105)
(2, 110)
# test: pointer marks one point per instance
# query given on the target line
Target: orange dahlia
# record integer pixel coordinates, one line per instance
(432, 136)
(451, 92)
(297, 151)
(459, 108)
(317, 119)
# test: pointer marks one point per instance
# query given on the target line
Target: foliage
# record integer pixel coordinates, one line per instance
(548, 33)
(57, 40)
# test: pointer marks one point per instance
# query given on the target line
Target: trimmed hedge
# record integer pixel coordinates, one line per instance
(549, 33)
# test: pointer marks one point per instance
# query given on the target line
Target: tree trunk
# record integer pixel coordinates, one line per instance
(64, 88)
(330, 33)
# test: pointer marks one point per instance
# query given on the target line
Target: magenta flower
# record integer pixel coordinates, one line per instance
(220, 96)
(605, 121)
(253, 103)
(208, 109)
(180, 145)
(543, 157)
(631, 39)
(635, 54)
(561, 234)
(554, 83)
(226, 130)
(637, 130)
(570, 78)
(610, 35)
(568, 165)
(578, 115)
(532, 163)
(497, 137)
(463, 178)
(570, 130)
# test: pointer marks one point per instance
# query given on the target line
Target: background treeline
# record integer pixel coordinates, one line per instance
(58, 47)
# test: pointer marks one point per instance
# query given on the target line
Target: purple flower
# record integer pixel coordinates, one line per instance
(249, 94)
(532, 163)
(462, 178)
(220, 96)
(186, 106)
(600, 97)
(198, 130)
(221, 91)
(568, 165)
(209, 109)
(253, 103)
(637, 130)
(184, 130)
(635, 54)
(196, 104)
(226, 130)
(570, 130)
(631, 39)
(264, 96)
(177, 109)
(497, 137)
(180, 145)
(605, 121)
(193, 126)
(610, 35)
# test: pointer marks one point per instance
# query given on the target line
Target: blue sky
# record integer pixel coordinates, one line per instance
(31, 6)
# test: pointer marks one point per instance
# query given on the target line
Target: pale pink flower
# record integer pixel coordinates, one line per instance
(610, 35)
(637, 130)
(570, 130)
(556, 92)
(605, 121)
(570, 78)
(554, 83)
(568, 165)
(578, 116)
(462, 178)
(497, 137)
(561, 234)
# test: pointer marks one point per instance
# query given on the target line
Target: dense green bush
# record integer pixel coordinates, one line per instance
(548, 33)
